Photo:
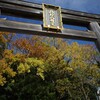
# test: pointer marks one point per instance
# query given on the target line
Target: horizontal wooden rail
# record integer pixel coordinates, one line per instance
(35, 29)
(34, 11)
(19, 8)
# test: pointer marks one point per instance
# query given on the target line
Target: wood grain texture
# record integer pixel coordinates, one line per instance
(94, 26)
(35, 29)
(34, 11)
(24, 9)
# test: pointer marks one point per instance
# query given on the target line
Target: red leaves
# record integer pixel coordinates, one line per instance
(32, 47)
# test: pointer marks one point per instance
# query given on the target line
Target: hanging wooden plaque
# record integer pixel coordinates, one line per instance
(52, 18)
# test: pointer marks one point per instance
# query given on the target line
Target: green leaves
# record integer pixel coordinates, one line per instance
(40, 68)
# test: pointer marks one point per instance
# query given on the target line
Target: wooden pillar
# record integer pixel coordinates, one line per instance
(0, 11)
(94, 26)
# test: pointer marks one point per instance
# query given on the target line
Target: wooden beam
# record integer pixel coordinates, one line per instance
(34, 29)
(34, 11)
(20, 11)
(38, 6)
(96, 28)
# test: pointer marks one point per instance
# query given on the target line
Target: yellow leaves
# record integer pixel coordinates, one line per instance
(34, 62)
(22, 68)
(19, 57)
(4, 68)
(29, 63)
(8, 54)
(95, 71)
(2, 80)
(75, 46)
(75, 63)
(40, 72)
(39, 64)
(25, 64)
(6, 37)
(69, 69)
(75, 51)
(55, 54)
(2, 39)
(80, 56)
(10, 72)
(3, 65)
(80, 52)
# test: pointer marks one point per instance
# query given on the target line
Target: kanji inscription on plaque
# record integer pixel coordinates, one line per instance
(52, 18)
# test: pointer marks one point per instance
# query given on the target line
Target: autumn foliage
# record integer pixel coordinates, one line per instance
(42, 68)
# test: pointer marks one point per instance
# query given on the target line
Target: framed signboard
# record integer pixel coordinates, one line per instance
(52, 18)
